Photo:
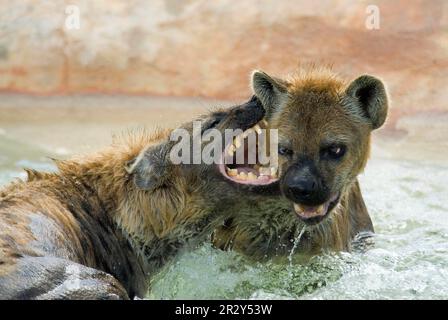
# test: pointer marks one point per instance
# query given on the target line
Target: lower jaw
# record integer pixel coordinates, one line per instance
(318, 218)
(314, 220)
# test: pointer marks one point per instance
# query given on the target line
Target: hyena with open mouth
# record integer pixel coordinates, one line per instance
(103, 223)
(324, 127)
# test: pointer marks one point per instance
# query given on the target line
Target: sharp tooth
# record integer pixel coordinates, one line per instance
(264, 122)
(237, 142)
(273, 172)
(309, 211)
(242, 176)
(264, 171)
(257, 128)
(247, 132)
(231, 150)
(298, 208)
(251, 176)
(320, 209)
(232, 172)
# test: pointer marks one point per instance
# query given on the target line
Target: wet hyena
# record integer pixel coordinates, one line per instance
(103, 223)
(324, 126)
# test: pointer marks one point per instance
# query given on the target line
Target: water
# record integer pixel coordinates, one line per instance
(407, 203)
(294, 247)
(293, 251)
(14, 156)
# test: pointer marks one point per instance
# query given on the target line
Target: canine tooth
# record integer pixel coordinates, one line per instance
(237, 142)
(257, 128)
(247, 132)
(320, 209)
(232, 172)
(251, 176)
(242, 176)
(231, 150)
(273, 172)
(264, 171)
(298, 208)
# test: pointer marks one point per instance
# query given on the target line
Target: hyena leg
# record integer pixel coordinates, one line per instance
(55, 278)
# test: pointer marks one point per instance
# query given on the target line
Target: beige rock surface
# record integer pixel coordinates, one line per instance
(208, 48)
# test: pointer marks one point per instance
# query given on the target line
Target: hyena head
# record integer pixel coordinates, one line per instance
(324, 127)
(203, 185)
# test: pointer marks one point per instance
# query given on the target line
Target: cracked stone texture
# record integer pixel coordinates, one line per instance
(208, 48)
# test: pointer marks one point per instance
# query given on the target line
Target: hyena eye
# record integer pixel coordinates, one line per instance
(284, 151)
(333, 152)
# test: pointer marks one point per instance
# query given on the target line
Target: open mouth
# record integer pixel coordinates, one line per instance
(315, 214)
(246, 169)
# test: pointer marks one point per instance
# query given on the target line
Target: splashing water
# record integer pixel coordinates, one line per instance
(291, 255)
(407, 203)
(294, 247)
(409, 259)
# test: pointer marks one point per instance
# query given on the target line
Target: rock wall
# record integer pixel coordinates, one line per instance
(208, 48)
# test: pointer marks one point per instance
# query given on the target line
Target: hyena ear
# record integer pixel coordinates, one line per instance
(270, 91)
(150, 169)
(368, 98)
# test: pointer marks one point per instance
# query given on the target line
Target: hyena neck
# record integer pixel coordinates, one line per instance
(357, 211)
(102, 177)
(160, 223)
(349, 218)
(157, 223)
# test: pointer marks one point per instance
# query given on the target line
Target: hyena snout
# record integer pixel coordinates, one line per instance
(311, 198)
(303, 186)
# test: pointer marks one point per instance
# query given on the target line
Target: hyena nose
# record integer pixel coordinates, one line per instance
(302, 185)
(303, 188)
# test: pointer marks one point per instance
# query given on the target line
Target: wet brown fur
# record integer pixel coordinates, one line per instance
(85, 191)
(314, 105)
(111, 225)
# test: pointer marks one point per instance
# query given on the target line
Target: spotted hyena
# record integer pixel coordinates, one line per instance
(324, 126)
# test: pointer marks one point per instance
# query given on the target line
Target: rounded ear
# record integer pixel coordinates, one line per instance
(368, 98)
(269, 90)
(150, 169)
